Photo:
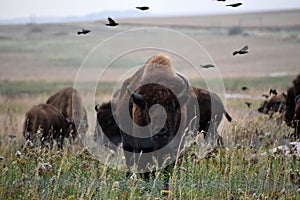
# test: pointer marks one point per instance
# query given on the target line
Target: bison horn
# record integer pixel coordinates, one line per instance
(134, 95)
(186, 86)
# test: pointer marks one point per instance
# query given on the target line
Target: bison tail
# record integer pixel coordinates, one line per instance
(228, 117)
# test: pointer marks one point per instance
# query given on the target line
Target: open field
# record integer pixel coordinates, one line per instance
(36, 60)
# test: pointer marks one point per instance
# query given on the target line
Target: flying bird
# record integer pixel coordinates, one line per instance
(111, 22)
(234, 5)
(248, 104)
(207, 66)
(273, 91)
(142, 7)
(265, 96)
(243, 50)
(83, 31)
(244, 88)
(221, 0)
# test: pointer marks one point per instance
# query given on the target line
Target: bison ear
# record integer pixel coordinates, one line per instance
(97, 107)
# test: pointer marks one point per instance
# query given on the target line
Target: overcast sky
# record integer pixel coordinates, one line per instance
(24, 8)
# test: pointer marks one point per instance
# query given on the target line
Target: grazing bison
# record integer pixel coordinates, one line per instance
(274, 104)
(211, 111)
(296, 118)
(69, 101)
(151, 112)
(108, 125)
(47, 122)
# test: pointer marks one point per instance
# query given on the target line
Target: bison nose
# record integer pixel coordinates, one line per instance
(161, 131)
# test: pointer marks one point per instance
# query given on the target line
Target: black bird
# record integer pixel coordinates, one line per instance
(243, 50)
(221, 0)
(244, 88)
(234, 4)
(111, 22)
(142, 7)
(83, 31)
(265, 96)
(207, 66)
(273, 91)
(248, 104)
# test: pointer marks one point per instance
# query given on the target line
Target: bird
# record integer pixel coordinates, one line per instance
(111, 22)
(244, 88)
(243, 50)
(221, 0)
(248, 104)
(142, 7)
(207, 66)
(265, 96)
(83, 31)
(234, 4)
(273, 91)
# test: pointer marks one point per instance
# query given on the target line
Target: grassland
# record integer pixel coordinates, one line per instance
(39, 59)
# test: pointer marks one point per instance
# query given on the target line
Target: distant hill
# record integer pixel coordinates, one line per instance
(89, 17)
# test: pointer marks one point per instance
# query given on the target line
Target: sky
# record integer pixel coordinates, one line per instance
(11, 9)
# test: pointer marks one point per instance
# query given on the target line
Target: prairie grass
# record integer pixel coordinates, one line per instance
(244, 169)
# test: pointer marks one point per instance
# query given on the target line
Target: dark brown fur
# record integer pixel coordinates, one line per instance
(148, 81)
(274, 104)
(46, 122)
(108, 125)
(290, 106)
(69, 101)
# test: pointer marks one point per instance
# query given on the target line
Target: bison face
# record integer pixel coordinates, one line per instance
(108, 125)
(156, 107)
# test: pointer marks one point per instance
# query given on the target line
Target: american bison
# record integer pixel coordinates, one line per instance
(211, 111)
(151, 112)
(108, 127)
(48, 123)
(290, 106)
(274, 104)
(69, 101)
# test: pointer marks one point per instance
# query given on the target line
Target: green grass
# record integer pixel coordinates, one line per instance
(244, 170)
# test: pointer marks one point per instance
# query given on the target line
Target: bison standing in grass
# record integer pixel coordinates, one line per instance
(47, 123)
(151, 113)
(275, 104)
(69, 101)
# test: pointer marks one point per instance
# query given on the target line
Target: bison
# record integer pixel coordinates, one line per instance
(47, 122)
(108, 125)
(69, 101)
(151, 113)
(290, 106)
(276, 103)
(296, 118)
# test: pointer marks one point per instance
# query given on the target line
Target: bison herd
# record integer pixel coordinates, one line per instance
(148, 116)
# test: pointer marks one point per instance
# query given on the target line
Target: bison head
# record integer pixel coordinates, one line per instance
(108, 125)
(156, 107)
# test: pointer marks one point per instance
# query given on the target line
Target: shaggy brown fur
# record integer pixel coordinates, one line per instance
(148, 82)
(46, 122)
(207, 116)
(108, 125)
(69, 101)
(296, 119)
(290, 106)
(274, 104)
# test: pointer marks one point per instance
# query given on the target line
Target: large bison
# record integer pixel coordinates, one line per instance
(69, 101)
(276, 103)
(290, 106)
(211, 111)
(48, 123)
(151, 113)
